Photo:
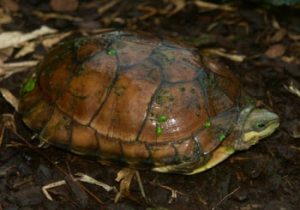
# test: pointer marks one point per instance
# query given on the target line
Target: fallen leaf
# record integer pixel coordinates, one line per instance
(124, 176)
(10, 98)
(293, 87)
(49, 16)
(50, 41)
(7, 69)
(27, 48)
(15, 38)
(64, 5)
(293, 36)
(179, 5)
(107, 6)
(275, 51)
(222, 53)
(278, 36)
(212, 6)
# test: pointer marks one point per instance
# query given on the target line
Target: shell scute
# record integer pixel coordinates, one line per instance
(124, 110)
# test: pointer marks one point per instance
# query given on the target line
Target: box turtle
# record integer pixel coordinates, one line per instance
(141, 101)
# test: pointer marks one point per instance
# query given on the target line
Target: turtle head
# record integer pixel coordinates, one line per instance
(255, 124)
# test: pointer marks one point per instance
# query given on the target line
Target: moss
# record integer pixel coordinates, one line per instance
(29, 85)
(111, 52)
(159, 130)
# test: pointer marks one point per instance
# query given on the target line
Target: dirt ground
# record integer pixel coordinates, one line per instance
(259, 43)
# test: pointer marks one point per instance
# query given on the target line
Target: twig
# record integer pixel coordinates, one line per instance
(212, 6)
(225, 197)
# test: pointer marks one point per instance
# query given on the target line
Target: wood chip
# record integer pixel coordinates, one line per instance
(275, 51)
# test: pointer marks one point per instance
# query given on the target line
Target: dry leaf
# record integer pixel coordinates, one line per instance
(124, 176)
(212, 6)
(49, 16)
(275, 51)
(10, 98)
(222, 53)
(107, 6)
(293, 87)
(295, 37)
(27, 48)
(50, 41)
(15, 38)
(179, 5)
(278, 36)
(8, 69)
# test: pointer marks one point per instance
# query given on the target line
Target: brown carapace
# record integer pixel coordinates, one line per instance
(133, 99)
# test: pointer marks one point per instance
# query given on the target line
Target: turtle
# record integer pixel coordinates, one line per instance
(141, 101)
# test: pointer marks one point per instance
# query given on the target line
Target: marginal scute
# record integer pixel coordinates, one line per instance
(37, 116)
(109, 148)
(134, 152)
(163, 154)
(83, 139)
(188, 150)
(221, 126)
(30, 100)
(57, 130)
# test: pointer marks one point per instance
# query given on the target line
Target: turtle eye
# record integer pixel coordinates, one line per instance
(260, 125)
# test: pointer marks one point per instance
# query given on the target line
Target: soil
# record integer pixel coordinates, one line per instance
(267, 176)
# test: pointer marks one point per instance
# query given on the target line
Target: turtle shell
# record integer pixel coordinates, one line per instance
(132, 98)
